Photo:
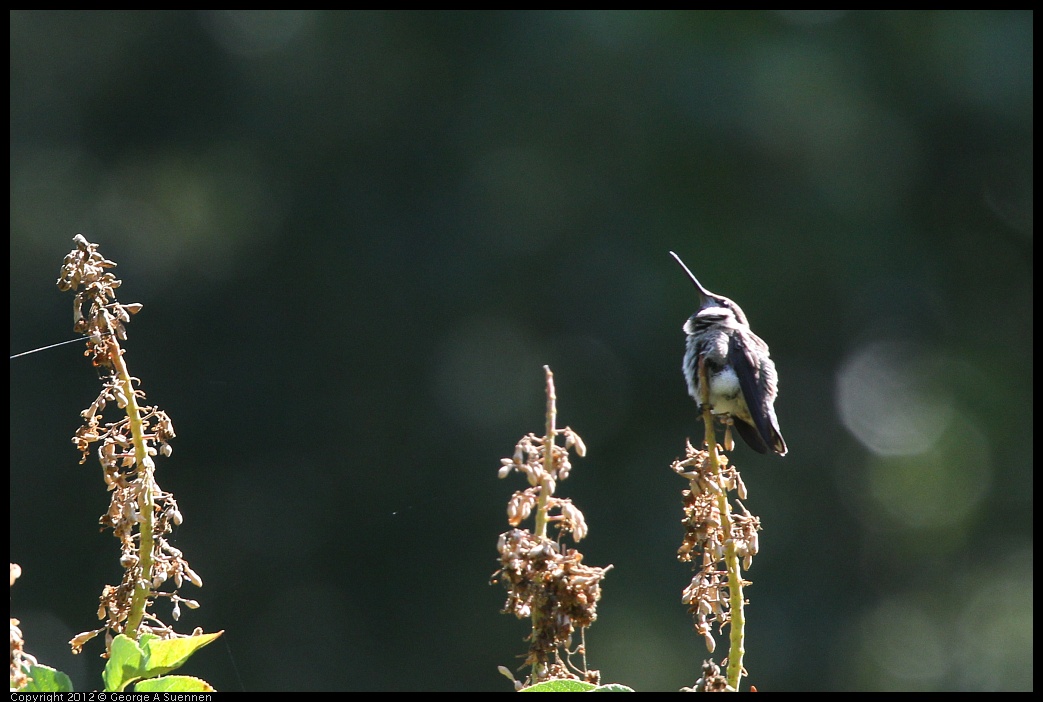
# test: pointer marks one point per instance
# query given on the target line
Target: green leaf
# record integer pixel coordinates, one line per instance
(47, 679)
(130, 661)
(124, 666)
(163, 656)
(560, 686)
(575, 686)
(174, 683)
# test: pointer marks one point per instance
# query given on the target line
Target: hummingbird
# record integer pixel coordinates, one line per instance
(741, 375)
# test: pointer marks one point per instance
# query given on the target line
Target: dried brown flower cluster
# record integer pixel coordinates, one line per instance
(711, 681)
(140, 513)
(21, 661)
(547, 581)
(716, 539)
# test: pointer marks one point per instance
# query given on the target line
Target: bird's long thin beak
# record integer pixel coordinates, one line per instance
(698, 286)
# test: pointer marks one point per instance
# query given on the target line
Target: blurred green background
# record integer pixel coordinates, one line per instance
(359, 236)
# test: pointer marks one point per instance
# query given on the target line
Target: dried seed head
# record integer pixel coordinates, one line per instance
(572, 439)
(192, 576)
(82, 638)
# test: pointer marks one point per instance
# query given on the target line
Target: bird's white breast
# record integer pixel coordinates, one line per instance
(725, 393)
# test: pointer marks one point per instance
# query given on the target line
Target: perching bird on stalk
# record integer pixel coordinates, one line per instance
(740, 373)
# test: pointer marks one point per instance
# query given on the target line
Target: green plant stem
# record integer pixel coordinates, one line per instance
(737, 616)
(146, 499)
(548, 457)
(546, 487)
